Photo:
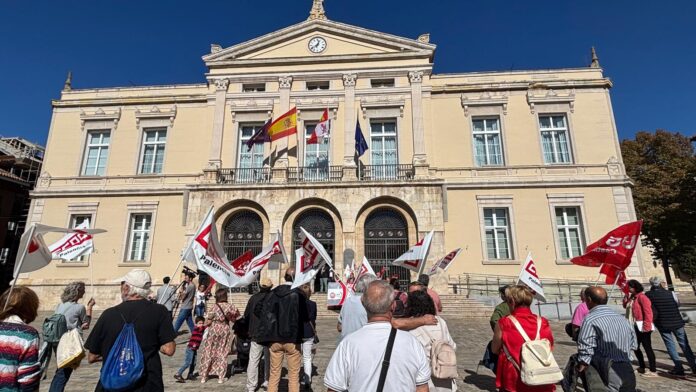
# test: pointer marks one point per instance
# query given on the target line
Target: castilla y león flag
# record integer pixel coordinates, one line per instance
(321, 129)
(614, 250)
(415, 257)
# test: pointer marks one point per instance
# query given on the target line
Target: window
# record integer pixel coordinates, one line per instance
(75, 221)
(96, 153)
(152, 160)
(254, 88)
(487, 145)
(139, 237)
(316, 158)
(318, 85)
(570, 238)
(377, 83)
(384, 148)
(497, 228)
(4, 255)
(554, 139)
(249, 161)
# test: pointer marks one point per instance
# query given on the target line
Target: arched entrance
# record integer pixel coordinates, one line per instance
(319, 224)
(386, 238)
(242, 232)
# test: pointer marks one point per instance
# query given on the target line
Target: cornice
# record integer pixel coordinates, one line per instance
(521, 85)
(356, 58)
(123, 101)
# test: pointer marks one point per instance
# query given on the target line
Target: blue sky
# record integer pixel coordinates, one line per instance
(648, 48)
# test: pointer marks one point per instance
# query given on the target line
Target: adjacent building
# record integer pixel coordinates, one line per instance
(497, 163)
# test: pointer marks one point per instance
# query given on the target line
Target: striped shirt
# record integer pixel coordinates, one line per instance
(19, 356)
(606, 334)
(196, 338)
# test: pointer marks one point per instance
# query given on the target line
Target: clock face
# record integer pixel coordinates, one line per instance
(317, 44)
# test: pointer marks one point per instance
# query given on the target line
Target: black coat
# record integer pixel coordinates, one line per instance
(251, 319)
(666, 315)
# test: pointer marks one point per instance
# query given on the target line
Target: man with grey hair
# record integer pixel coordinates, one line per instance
(153, 329)
(668, 321)
(356, 364)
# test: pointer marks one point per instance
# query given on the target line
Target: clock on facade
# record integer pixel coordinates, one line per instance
(317, 45)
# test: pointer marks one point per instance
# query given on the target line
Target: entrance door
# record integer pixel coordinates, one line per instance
(386, 238)
(319, 224)
(242, 232)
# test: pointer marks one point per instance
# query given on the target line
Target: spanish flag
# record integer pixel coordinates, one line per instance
(284, 125)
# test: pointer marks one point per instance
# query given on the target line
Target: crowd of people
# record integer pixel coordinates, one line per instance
(389, 340)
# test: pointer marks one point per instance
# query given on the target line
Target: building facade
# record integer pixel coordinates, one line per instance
(497, 163)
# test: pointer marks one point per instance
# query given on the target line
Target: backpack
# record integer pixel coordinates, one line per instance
(399, 305)
(537, 365)
(276, 308)
(443, 358)
(124, 365)
(55, 326)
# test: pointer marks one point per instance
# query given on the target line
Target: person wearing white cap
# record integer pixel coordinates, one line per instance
(153, 329)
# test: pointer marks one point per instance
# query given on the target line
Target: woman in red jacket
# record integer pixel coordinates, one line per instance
(639, 313)
(506, 338)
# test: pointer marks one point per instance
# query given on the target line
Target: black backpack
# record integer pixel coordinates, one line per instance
(278, 318)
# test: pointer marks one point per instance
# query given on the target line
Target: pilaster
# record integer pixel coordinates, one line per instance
(350, 115)
(215, 158)
(419, 155)
(284, 85)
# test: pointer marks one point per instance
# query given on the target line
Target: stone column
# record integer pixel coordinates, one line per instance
(215, 158)
(349, 127)
(279, 172)
(420, 161)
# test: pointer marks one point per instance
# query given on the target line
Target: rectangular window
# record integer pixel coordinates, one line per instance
(497, 228)
(324, 85)
(139, 237)
(384, 148)
(254, 87)
(377, 83)
(554, 139)
(316, 158)
(75, 221)
(488, 150)
(249, 162)
(4, 254)
(96, 153)
(154, 142)
(569, 226)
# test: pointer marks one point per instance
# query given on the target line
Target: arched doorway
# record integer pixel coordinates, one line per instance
(242, 232)
(386, 238)
(319, 224)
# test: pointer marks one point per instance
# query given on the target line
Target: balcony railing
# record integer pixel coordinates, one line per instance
(244, 175)
(315, 174)
(400, 172)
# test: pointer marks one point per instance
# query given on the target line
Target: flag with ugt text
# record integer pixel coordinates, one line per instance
(313, 258)
(615, 249)
(248, 267)
(321, 130)
(530, 277)
(206, 251)
(445, 262)
(365, 269)
(73, 245)
(416, 256)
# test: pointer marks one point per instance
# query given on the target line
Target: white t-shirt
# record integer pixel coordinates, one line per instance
(200, 297)
(357, 361)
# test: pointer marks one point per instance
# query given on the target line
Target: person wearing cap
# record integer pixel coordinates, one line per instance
(669, 323)
(153, 329)
(257, 350)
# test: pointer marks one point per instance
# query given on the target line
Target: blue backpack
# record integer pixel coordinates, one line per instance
(124, 365)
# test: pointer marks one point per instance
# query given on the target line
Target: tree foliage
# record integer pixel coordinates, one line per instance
(663, 168)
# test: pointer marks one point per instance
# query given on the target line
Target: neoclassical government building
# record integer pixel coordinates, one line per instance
(496, 163)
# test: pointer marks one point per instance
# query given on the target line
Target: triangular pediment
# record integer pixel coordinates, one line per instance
(341, 40)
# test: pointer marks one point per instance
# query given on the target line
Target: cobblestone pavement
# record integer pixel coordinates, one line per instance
(471, 337)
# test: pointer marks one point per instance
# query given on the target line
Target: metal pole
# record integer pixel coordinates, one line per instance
(18, 268)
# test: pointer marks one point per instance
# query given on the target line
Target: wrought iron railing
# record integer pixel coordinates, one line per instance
(315, 174)
(401, 172)
(244, 175)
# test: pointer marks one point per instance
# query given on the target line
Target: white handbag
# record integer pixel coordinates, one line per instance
(70, 350)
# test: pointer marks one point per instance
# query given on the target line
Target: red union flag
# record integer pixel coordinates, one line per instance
(622, 282)
(530, 277)
(251, 267)
(241, 263)
(206, 251)
(310, 258)
(415, 257)
(445, 262)
(615, 249)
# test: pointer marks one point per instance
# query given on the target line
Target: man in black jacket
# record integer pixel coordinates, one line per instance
(668, 321)
(257, 349)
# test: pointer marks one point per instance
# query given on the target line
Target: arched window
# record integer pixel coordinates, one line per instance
(320, 225)
(386, 238)
(242, 232)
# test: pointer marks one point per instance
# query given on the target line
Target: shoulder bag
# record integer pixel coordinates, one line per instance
(385, 362)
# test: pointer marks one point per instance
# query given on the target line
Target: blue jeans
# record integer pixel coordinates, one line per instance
(184, 314)
(683, 342)
(60, 379)
(189, 362)
(200, 310)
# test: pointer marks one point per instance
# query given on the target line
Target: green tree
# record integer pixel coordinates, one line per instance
(662, 167)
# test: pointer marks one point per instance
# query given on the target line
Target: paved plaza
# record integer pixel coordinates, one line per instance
(471, 337)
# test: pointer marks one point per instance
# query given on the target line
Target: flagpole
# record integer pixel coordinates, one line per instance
(18, 267)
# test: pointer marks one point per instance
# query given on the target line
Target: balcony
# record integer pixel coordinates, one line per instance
(244, 175)
(397, 172)
(315, 174)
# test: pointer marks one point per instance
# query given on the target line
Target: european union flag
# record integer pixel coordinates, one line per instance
(360, 142)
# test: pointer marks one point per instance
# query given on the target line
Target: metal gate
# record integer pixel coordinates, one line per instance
(319, 224)
(386, 238)
(243, 232)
